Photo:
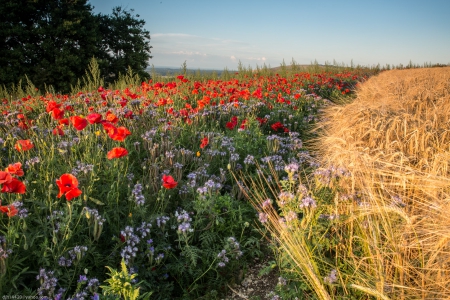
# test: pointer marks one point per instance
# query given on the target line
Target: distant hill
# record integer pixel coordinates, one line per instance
(166, 71)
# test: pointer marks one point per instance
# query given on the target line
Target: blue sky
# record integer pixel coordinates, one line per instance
(210, 34)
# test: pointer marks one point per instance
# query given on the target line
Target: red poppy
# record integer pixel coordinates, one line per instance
(51, 105)
(117, 153)
(128, 115)
(110, 128)
(110, 117)
(15, 169)
(58, 130)
(231, 125)
(57, 113)
(277, 126)
(68, 185)
(261, 120)
(204, 142)
(14, 186)
(169, 182)
(64, 121)
(78, 122)
(244, 122)
(120, 134)
(94, 118)
(5, 177)
(9, 210)
(23, 145)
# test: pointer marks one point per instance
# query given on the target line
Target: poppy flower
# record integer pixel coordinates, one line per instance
(120, 134)
(57, 113)
(9, 210)
(204, 142)
(110, 117)
(110, 128)
(68, 185)
(58, 130)
(169, 182)
(277, 126)
(5, 177)
(51, 105)
(117, 153)
(64, 121)
(15, 169)
(14, 186)
(78, 122)
(23, 145)
(231, 125)
(94, 118)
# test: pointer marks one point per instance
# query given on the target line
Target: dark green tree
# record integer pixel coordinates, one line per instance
(124, 43)
(53, 41)
(18, 39)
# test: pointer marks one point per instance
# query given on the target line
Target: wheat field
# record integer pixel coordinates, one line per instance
(395, 141)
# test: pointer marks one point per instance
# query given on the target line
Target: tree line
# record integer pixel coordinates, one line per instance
(51, 42)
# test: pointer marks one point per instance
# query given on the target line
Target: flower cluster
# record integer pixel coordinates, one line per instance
(82, 168)
(232, 249)
(76, 254)
(184, 222)
(137, 194)
(331, 278)
(10, 183)
(48, 283)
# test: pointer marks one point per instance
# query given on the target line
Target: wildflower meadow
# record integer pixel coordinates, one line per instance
(169, 188)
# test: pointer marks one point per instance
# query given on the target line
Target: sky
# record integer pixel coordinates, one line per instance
(209, 34)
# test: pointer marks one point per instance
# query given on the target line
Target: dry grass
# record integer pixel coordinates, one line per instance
(395, 140)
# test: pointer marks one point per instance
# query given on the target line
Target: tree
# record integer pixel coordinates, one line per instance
(17, 39)
(53, 41)
(124, 43)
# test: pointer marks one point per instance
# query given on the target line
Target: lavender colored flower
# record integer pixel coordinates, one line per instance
(249, 160)
(64, 262)
(161, 221)
(234, 157)
(131, 242)
(263, 217)
(82, 168)
(137, 194)
(267, 203)
(308, 202)
(48, 283)
(331, 278)
(159, 257)
(144, 229)
(32, 161)
(291, 216)
(22, 213)
(93, 213)
(130, 176)
(291, 168)
(281, 281)
(284, 198)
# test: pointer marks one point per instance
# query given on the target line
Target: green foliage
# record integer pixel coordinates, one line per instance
(120, 284)
(92, 80)
(52, 42)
